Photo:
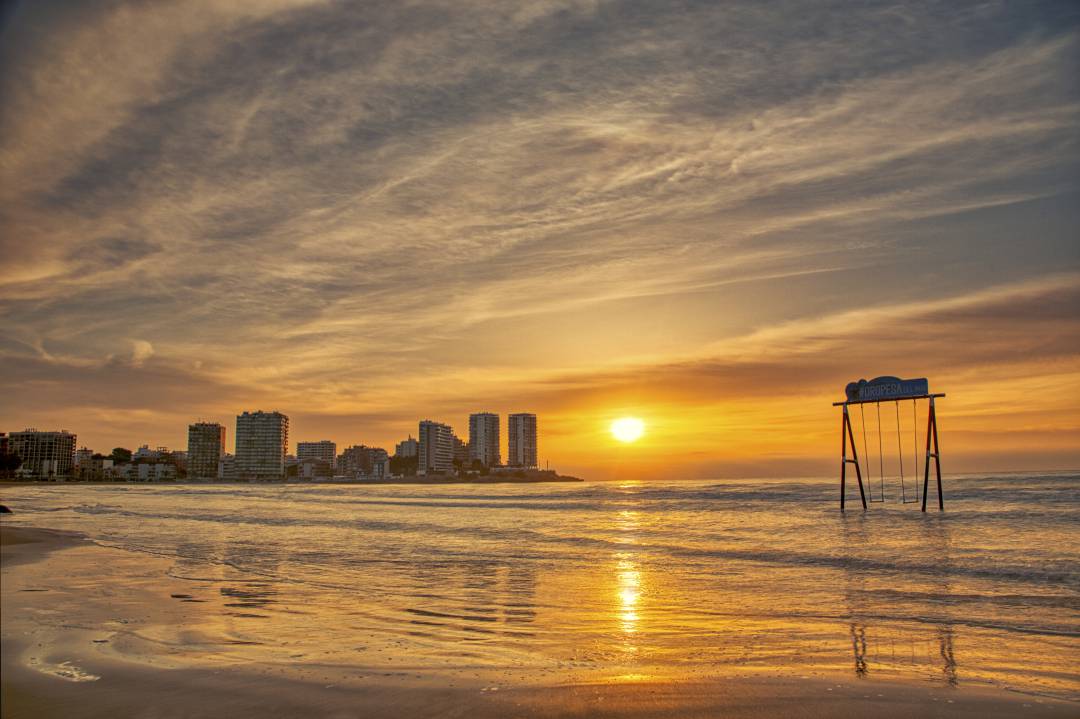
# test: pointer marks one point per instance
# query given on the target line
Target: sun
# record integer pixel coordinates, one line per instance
(627, 429)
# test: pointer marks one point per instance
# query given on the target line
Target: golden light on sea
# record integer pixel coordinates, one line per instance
(627, 429)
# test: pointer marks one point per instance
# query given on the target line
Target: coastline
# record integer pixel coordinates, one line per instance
(92, 669)
(352, 482)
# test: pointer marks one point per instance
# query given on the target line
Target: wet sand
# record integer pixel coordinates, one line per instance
(53, 669)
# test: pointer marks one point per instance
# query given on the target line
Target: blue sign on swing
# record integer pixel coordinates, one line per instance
(882, 388)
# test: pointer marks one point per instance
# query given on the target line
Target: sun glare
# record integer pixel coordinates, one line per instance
(627, 429)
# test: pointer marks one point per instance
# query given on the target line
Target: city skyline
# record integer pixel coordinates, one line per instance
(202, 433)
(591, 211)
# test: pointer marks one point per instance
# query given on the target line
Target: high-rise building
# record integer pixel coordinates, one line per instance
(205, 448)
(324, 450)
(407, 448)
(521, 444)
(262, 440)
(44, 454)
(484, 439)
(436, 448)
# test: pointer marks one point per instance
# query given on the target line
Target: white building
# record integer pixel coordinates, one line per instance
(521, 444)
(407, 448)
(44, 454)
(145, 453)
(436, 448)
(262, 440)
(484, 439)
(149, 472)
(324, 450)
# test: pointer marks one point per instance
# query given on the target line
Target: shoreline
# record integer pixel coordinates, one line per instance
(65, 670)
(351, 482)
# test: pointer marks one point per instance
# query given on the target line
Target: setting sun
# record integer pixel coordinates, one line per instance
(627, 429)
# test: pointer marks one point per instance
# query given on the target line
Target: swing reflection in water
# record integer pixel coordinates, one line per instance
(876, 392)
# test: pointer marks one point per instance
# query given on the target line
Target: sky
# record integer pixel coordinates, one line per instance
(711, 216)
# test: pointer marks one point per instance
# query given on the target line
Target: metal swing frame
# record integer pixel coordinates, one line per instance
(848, 435)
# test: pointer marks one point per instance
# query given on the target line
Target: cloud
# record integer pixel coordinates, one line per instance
(366, 210)
(141, 350)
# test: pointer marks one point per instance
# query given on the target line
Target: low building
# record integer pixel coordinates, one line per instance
(227, 468)
(96, 469)
(145, 453)
(380, 466)
(359, 460)
(82, 455)
(323, 449)
(314, 468)
(149, 472)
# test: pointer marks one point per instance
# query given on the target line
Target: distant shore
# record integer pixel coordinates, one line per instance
(434, 479)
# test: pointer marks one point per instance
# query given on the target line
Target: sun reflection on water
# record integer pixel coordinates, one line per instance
(629, 592)
(628, 579)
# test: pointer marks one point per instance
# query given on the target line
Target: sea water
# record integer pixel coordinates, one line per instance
(556, 582)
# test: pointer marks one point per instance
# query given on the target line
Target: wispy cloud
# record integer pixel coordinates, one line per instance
(349, 209)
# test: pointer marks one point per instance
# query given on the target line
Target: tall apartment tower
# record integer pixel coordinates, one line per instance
(262, 441)
(436, 450)
(205, 448)
(44, 454)
(521, 448)
(484, 439)
(324, 450)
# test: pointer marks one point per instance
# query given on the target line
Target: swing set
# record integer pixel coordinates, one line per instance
(877, 392)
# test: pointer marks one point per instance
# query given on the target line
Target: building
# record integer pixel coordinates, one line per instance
(461, 451)
(82, 456)
(96, 469)
(262, 441)
(148, 472)
(360, 460)
(205, 449)
(407, 448)
(484, 439)
(227, 468)
(313, 468)
(7, 459)
(144, 453)
(521, 440)
(324, 450)
(44, 454)
(436, 448)
(380, 465)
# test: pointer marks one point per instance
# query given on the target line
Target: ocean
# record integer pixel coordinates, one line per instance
(520, 584)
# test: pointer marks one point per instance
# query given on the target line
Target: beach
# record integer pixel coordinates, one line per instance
(684, 599)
